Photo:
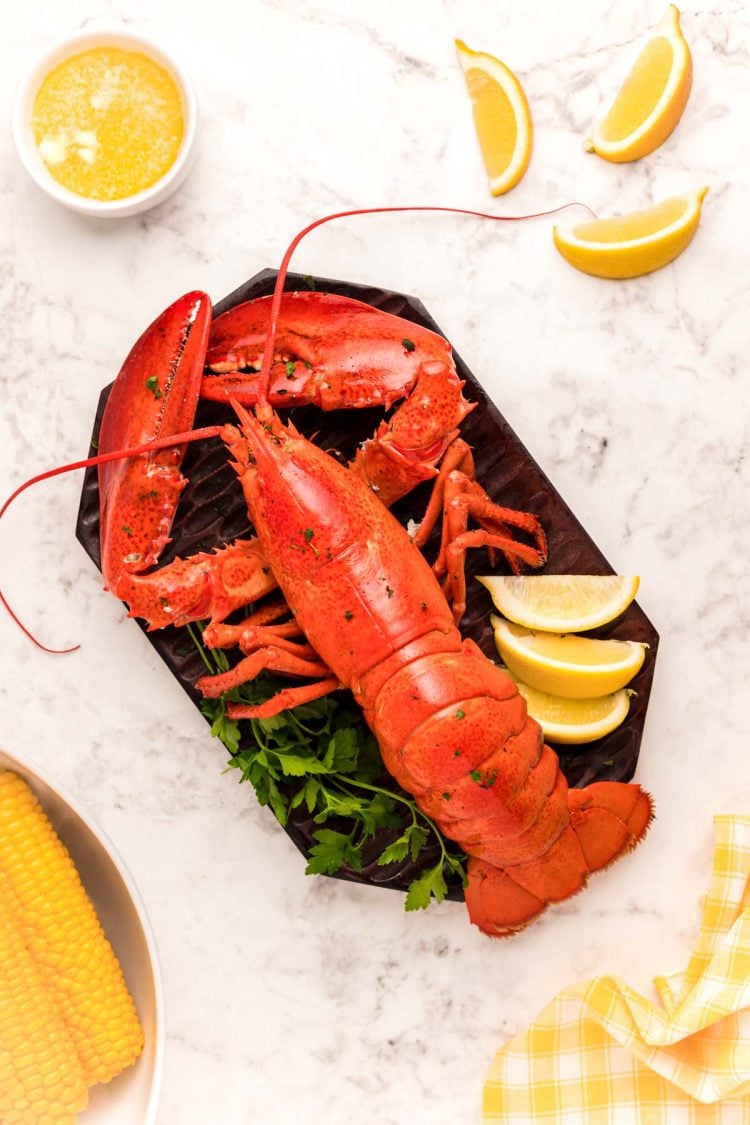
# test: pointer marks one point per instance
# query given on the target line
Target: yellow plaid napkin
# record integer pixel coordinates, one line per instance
(601, 1053)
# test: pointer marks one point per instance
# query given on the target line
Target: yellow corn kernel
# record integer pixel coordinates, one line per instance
(41, 1077)
(65, 938)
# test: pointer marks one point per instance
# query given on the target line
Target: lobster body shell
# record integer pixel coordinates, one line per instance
(452, 727)
(351, 577)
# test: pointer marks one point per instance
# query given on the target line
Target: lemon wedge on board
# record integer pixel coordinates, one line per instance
(633, 244)
(576, 721)
(502, 117)
(652, 98)
(561, 603)
(568, 665)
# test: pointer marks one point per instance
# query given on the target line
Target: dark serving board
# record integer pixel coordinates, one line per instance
(212, 512)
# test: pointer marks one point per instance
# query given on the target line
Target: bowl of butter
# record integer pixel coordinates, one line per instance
(105, 122)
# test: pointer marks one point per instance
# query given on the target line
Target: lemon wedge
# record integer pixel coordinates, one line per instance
(567, 665)
(652, 98)
(576, 721)
(633, 244)
(561, 603)
(502, 117)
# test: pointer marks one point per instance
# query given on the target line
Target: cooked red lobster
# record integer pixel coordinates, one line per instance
(360, 607)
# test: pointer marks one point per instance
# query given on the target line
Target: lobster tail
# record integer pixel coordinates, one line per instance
(606, 820)
(454, 731)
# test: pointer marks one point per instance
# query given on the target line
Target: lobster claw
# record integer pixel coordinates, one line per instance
(155, 394)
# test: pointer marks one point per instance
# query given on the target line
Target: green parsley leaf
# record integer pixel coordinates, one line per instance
(222, 727)
(418, 837)
(331, 852)
(395, 852)
(430, 884)
(295, 765)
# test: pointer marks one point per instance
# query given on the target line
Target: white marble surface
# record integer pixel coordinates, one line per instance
(300, 999)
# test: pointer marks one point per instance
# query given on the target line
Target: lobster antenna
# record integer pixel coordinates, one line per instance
(99, 459)
(263, 410)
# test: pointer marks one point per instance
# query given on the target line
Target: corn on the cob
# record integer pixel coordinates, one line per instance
(41, 1077)
(64, 936)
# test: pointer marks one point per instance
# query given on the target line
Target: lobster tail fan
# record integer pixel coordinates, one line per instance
(496, 903)
(607, 819)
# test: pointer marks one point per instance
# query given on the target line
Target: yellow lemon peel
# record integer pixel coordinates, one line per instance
(652, 99)
(561, 603)
(502, 117)
(567, 665)
(634, 244)
(576, 721)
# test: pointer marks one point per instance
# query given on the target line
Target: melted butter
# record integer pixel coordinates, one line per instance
(108, 122)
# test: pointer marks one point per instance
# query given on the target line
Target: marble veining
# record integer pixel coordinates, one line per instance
(312, 1000)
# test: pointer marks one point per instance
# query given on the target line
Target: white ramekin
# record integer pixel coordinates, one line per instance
(103, 33)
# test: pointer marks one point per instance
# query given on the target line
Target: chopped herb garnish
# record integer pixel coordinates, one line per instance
(389, 591)
(348, 614)
(128, 530)
(456, 753)
(153, 385)
(460, 714)
(308, 534)
(290, 366)
(424, 605)
(475, 775)
(408, 345)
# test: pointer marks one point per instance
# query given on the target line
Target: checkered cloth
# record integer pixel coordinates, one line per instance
(601, 1053)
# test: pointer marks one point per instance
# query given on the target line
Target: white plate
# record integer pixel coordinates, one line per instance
(131, 1098)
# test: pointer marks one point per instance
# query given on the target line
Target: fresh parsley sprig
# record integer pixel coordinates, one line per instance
(322, 755)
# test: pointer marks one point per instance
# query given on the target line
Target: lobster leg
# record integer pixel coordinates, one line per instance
(458, 457)
(250, 638)
(271, 654)
(284, 700)
(464, 498)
